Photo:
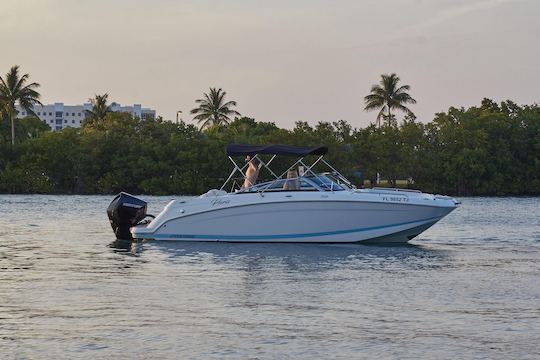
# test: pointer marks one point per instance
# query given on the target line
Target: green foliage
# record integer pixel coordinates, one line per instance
(15, 90)
(27, 128)
(493, 149)
(387, 96)
(213, 110)
(95, 116)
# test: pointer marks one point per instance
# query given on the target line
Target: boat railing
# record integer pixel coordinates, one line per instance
(396, 189)
(339, 175)
(338, 178)
(297, 162)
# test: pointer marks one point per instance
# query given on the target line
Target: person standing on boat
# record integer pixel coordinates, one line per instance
(252, 172)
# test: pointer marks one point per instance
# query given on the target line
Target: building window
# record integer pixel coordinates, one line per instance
(38, 113)
(65, 121)
(50, 114)
(73, 121)
(79, 114)
(58, 128)
(59, 114)
(23, 113)
(52, 121)
(72, 114)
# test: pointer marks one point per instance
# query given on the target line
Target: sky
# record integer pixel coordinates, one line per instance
(281, 60)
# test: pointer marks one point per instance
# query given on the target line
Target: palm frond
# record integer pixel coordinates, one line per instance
(402, 89)
(387, 95)
(213, 109)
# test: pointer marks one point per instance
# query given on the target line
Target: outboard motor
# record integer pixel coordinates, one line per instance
(124, 212)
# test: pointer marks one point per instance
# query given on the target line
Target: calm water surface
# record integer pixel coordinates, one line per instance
(467, 288)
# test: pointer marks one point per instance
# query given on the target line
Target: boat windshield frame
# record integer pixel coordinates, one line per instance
(323, 182)
(340, 181)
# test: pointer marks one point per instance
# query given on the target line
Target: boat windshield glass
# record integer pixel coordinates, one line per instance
(279, 185)
(307, 183)
(326, 183)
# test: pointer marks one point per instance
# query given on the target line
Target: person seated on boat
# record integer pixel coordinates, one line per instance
(252, 172)
(292, 182)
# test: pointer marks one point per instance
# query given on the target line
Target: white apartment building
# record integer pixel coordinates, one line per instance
(59, 116)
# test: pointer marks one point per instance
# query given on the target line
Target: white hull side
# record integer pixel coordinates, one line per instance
(316, 221)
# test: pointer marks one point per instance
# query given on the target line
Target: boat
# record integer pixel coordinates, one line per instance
(319, 207)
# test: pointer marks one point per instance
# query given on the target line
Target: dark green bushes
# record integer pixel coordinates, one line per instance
(493, 149)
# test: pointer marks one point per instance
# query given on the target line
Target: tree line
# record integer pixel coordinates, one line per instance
(490, 149)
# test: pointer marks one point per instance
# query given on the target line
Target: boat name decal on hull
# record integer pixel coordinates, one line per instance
(220, 202)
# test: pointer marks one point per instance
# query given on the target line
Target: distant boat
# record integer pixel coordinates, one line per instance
(316, 208)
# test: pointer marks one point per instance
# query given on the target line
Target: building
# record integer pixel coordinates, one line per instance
(59, 116)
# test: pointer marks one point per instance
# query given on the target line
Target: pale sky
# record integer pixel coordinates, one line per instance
(281, 60)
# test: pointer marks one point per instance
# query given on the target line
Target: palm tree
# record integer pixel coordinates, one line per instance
(387, 96)
(13, 90)
(100, 109)
(213, 110)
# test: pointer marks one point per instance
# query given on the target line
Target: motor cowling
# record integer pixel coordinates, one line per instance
(125, 211)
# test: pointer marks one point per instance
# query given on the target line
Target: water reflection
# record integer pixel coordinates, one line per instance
(68, 292)
(132, 248)
(224, 249)
(299, 257)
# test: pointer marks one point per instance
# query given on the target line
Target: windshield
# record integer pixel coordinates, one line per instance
(338, 180)
(306, 183)
(279, 185)
(326, 183)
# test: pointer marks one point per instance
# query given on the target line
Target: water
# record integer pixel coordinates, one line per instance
(467, 288)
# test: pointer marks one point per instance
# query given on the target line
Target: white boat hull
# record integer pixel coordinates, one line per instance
(309, 217)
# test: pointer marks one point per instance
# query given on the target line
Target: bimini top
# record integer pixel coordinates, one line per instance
(275, 149)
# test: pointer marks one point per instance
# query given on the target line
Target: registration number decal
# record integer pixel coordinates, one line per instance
(401, 199)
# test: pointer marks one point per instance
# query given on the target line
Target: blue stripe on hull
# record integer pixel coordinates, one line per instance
(275, 237)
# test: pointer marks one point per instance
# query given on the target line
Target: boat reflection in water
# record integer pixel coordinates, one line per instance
(127, 247)
(297, 257)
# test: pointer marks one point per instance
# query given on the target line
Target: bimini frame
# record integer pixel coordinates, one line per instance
(255, 150)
